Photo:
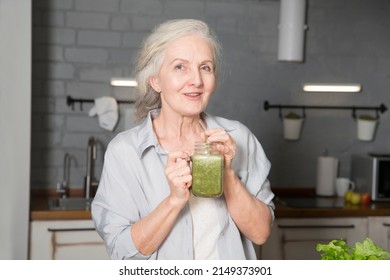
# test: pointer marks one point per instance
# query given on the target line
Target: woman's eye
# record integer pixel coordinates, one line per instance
(179, 67)
(207, 68)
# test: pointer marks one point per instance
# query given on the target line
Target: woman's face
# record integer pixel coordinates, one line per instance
(186, 79)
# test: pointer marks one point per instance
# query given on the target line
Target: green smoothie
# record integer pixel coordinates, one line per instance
(207, 174)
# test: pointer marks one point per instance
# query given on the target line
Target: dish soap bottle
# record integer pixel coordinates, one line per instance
(207, 170)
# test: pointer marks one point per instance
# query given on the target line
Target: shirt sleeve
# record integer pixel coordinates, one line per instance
(253, 167)
(115, 207)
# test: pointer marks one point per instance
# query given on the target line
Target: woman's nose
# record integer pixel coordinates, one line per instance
(195, 78)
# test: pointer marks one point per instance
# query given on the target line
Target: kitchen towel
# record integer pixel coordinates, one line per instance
(327, 168)
(106, 108)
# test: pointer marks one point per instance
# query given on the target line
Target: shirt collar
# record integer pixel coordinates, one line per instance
(146, 135)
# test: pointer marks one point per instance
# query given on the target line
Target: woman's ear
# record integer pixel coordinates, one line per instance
(154, 83)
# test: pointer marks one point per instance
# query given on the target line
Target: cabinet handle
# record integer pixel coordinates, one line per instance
(69, 229)
(386, 224)
(316, 226)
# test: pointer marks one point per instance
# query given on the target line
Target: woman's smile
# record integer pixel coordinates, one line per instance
(193, 95)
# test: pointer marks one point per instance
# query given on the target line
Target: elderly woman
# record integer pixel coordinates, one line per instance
(144, 207)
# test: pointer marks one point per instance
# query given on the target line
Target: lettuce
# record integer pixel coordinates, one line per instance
(339, 250)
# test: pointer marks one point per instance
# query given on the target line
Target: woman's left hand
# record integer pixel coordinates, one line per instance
(225, 143)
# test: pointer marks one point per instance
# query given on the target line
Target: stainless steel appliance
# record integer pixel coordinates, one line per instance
(371, 173)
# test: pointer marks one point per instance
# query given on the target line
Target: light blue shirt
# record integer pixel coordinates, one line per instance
(133, 183)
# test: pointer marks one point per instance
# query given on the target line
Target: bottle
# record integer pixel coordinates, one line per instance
(207, 170)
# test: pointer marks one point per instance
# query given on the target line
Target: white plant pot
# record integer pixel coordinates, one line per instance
(366, 129)
(292, 128)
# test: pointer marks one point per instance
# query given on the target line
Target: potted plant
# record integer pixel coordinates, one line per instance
(292, 126)
(366, 127)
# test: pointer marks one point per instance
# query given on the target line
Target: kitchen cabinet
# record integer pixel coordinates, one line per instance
(296, 239)
(379, 231)
(65, 239)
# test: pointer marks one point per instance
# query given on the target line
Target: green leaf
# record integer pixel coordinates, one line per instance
(292, 115)
(334, 250)
(339, 250)
(368, 250)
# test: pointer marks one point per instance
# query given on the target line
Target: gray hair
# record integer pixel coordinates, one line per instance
(150, 57)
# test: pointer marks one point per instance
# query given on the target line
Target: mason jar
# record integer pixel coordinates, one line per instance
(207, 170)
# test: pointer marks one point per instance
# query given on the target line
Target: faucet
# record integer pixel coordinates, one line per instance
(63, 186)
(89, 181)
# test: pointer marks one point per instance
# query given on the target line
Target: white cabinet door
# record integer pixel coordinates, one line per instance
(296, 239)
(67, 240)
(379, 231)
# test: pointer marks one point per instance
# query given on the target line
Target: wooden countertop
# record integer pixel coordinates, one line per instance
(342, 209)
(40, 211)
(375, 209)
(60, 215)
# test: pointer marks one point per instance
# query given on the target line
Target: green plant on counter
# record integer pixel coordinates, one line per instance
(339, 250)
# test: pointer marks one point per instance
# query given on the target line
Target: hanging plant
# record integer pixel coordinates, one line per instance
(366, 127)
(292, 115)
(292, 126)
(367, 118)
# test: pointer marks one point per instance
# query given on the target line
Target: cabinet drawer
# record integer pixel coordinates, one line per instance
(296, 239)
(75, 240)
(379, 231)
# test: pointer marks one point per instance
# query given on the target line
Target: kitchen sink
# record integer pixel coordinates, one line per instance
(70, 203)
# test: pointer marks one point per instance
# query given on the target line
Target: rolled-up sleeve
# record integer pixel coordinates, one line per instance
(254, 168)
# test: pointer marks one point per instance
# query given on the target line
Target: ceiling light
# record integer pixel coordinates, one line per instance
(123, 82)
(332, 87)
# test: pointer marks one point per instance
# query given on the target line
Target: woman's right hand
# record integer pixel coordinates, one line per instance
(179, 176)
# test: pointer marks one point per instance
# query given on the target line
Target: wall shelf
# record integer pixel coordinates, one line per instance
(379, 109)
(70, 101)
